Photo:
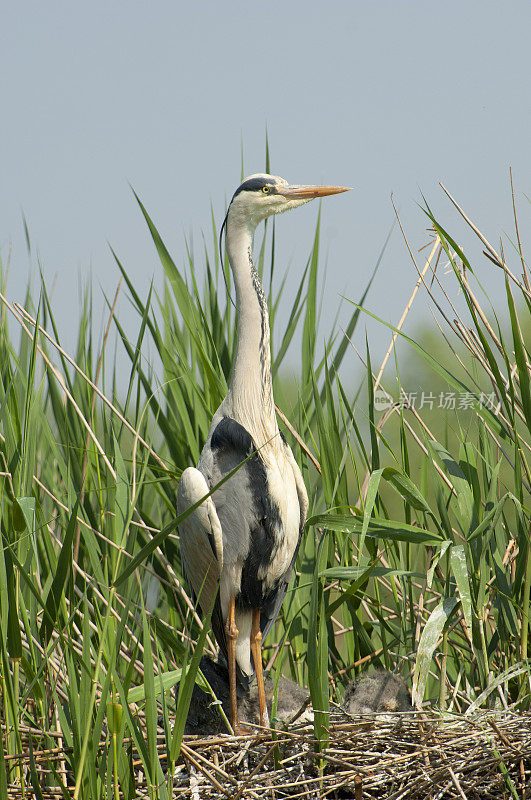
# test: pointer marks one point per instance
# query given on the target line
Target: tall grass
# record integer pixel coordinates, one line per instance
(416, 552)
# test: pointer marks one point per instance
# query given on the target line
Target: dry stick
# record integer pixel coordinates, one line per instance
(512, 378)
(251, 775)
(300, 712)
(421, 279)
(481, 313)
(472, 343)
(460, 326)
(7, 474)
(502, 736)
(379, 427)
(93, 405)
(467, 336)
(346, 779)
(495, 257)
(395, 408)
(62, 383)
(449, 301)
(62, 762)
(394, 337)
(456, 782)
(358, 663)
(410, 251)
(436, 244)
(204, 771)
(525, 276)
(88, 579)
(173, 582)
(60, 379)
(400, 769)
(202, 760)
(93, 386)
(296, 436)
(120, 416)
(81, 521)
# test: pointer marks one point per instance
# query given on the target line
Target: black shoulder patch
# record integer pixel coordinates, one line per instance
(229, 434)
(230, 439)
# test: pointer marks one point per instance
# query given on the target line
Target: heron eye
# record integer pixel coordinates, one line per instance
(266, 189)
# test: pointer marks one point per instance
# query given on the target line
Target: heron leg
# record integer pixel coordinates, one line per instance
(256, 650)
(232, 635)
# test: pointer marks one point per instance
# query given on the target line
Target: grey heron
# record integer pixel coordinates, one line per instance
(238, 548)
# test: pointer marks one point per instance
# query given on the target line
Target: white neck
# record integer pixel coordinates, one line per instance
(250, 392)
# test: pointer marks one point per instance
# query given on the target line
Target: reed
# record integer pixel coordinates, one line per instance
(416, 552)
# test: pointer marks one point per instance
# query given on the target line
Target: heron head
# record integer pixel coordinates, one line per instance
(260, 196)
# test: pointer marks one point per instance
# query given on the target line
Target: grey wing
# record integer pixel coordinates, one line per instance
(271, 609)
(201, 546)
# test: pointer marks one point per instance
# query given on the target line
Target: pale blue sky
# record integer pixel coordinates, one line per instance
(387, 96)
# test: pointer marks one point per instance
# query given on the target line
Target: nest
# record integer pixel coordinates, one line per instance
(407, 757)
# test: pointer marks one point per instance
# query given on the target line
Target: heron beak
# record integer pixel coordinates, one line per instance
(310, 192)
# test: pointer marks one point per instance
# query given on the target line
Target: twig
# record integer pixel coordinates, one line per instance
(296, 436)
(87, 379)
(436, 244)
(494, 255)
(92, 407)
(525, 276)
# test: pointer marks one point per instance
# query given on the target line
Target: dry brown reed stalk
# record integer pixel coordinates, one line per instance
(20, 314)
(470, 339)
(22, 311)
(92, 408)
(419, 273)
(420, 281)
(62, 383)
(395, 408)
(172, 582)
(436, 246)
(296, 436)
(525, 276)
(491, 253)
